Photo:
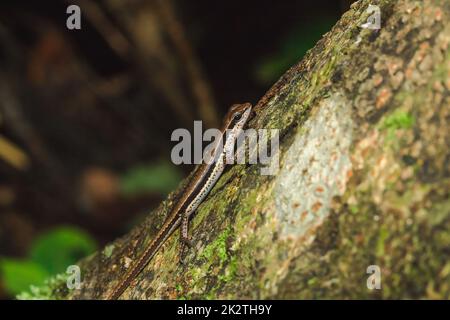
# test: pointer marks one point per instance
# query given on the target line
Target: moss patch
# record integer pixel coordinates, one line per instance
(50, 290)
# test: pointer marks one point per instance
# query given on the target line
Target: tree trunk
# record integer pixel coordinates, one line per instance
(363, 180)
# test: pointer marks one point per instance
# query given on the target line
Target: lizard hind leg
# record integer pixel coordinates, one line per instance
(185, 240)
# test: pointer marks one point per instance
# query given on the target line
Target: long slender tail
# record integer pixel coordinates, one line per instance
(143, 259)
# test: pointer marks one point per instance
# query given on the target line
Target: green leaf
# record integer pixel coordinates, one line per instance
(161, 177)
(292, 49)
(19, 275)
(57, 249)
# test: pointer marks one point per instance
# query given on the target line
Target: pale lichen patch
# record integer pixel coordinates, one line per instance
(314, 168)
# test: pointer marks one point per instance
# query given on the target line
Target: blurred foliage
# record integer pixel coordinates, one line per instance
(161, 177)
(51, 253)
(57, 249)
(292, 49)
(18, 275)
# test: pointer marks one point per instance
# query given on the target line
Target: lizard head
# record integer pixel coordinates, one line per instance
(237, 116)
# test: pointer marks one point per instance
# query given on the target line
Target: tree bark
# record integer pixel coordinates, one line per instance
(363, 180)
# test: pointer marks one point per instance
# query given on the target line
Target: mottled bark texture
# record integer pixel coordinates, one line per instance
(363, 180)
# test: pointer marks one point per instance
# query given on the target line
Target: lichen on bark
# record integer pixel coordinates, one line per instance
(363, 179)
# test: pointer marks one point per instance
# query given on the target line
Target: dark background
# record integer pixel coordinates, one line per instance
(86, 115)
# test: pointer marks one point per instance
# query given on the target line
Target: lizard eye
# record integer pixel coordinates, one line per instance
(236, 116)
